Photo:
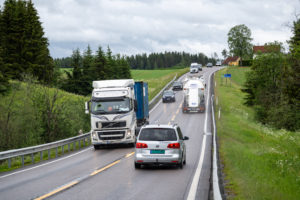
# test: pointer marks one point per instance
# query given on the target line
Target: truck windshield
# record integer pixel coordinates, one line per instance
(111, 106)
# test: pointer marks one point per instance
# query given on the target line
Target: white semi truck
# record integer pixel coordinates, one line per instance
(118, 108)
(193, 91)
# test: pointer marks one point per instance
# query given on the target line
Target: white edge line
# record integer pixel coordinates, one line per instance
(194, 185)
(45, 163)
(216, 187)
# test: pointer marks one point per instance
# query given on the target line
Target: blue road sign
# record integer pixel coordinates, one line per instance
(227, 75)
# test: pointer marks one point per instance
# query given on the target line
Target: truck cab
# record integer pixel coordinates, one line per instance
(114, 107)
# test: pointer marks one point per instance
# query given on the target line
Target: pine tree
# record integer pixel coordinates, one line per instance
(87, 71)
(12, 29)
(35, 51)
(111, 68)
(99, 66)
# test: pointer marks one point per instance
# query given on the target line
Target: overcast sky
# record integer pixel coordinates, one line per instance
(145, 26)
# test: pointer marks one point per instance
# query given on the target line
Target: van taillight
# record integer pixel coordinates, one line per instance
(174, 145)
(141, 145)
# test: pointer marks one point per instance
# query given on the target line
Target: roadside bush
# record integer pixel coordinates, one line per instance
(33, 114)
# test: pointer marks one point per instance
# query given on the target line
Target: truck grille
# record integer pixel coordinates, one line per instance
(120, 124)
(112, 135)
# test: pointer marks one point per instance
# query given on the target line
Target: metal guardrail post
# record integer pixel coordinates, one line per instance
(62, 149)
(9, 163)
(74, 146)
(32, 158)
(56, 152)
(22, 158)
(49, 154)
(41, 155)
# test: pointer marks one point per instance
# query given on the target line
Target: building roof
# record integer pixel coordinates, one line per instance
(230, 59)
(266, 49)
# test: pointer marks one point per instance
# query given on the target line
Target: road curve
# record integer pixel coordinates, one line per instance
(110, 173)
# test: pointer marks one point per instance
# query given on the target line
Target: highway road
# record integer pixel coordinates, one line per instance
(110, 174)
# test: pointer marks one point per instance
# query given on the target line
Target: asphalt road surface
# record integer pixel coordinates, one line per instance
(110, 174)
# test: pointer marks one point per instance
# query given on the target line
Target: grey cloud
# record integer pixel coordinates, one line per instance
(137, 26)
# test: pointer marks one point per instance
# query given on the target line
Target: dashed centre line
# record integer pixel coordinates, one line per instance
(72, 183)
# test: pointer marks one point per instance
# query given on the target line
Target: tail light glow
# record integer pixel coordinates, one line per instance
(141, 145)
(174, 145)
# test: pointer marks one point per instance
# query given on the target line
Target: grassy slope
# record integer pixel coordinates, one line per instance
(156, 79)
(259, 163)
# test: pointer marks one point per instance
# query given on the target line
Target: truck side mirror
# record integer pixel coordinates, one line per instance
(87, 107)
(135, 105)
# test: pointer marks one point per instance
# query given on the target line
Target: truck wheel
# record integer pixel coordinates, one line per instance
(137, 165)
(97, 147)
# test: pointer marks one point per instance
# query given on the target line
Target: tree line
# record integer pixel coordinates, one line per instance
(166, 60)
(273, 84)
(153, 60)
(89, 67)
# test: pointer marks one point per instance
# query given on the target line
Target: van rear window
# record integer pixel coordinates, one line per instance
(158, 134)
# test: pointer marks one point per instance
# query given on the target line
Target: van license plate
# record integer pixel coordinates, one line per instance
(157, 151)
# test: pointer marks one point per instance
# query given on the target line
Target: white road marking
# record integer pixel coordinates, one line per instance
(216, 187)
(194, 185)
(46, 163)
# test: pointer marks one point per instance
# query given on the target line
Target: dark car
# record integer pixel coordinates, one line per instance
(209, 65)
(199, 67)
(177, 85)
(168, 96)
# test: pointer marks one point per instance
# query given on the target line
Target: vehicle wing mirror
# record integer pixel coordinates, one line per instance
(135, 105)
(87, 107)
(186, 138)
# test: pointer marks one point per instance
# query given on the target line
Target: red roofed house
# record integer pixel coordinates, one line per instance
(232, 61)
(265, 49)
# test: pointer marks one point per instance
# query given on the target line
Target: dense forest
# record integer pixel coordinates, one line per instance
(273, 84)
(153, 60)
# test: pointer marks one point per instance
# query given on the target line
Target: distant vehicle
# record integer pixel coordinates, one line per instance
(195, 65)
(160, 145)
(118, 109)
(199, 67)
(193, 100)
(194, 69)
(219, 63)
(168, 96)
(209, 65)
(177, 85)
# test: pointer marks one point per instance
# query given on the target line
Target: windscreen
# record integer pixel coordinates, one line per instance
(168, 93)
(111, 106)
(158, 134)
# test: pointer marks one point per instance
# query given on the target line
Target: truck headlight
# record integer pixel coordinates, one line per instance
(128, 135)
(94, 135)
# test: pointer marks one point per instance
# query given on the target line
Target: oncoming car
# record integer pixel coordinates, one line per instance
(160, 145)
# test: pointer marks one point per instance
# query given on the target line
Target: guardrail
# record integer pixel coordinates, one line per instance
(10, 154)
(81, 139)
(158, 96)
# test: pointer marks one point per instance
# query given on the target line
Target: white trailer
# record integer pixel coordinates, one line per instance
(193, 92)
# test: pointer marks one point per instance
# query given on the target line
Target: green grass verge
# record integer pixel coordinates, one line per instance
(259, 162)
